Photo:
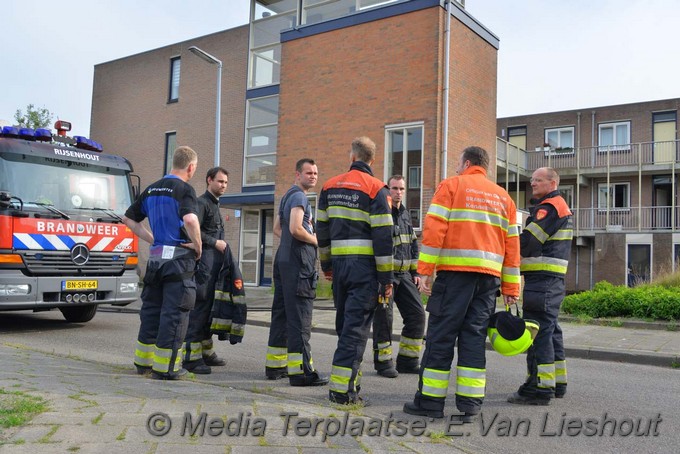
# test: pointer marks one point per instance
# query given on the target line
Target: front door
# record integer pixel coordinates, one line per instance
(257, 241)
(266, 247)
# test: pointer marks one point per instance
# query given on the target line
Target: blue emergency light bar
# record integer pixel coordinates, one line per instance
(87, 144)
(26, 133)
(43, 135)
(10, 131)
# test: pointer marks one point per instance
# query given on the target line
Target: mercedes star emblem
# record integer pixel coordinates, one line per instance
(80, 254)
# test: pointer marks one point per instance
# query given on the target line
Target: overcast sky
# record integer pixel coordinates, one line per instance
(554, 55)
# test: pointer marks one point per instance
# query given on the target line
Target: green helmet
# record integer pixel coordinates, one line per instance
(511, 335)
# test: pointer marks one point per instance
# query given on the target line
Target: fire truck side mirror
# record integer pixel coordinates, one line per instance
(5, 197)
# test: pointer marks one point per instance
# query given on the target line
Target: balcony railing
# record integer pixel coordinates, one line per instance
(598, 159)
(585, 160)
(634, 219)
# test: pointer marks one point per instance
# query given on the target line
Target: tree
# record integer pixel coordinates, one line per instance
(34, 118)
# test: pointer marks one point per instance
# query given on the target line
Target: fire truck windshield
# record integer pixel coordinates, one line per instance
(66, 185)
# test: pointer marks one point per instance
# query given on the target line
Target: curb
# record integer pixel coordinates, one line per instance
(612, 355)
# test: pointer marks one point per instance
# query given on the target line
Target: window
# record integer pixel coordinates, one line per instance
(404, 156)
(170, 145)
(173, 93)
(617, 194)
(414, 177)
(560, 138)
(261, 141)
(270, 18)
(614, 136)
(567, 192)
(676, 256)
(517, 135)
(639, 265)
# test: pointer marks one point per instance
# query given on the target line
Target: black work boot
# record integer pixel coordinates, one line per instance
(214, 360)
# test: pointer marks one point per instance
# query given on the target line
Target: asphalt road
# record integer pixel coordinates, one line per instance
(639, 404)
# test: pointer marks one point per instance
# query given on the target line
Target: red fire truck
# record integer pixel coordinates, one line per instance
(62, 241)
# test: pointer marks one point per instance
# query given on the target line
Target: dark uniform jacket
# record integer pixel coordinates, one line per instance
(545, 243)
(230, 313)
(212, 224)
(405, 242)
(355, 221)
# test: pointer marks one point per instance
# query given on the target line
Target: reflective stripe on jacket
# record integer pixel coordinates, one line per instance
(546, 240)
(355, 219)
(471, 227)
(405, 242)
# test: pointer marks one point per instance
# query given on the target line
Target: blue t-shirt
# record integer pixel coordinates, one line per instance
(165, 203)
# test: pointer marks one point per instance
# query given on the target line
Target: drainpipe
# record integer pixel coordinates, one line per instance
(445, 110)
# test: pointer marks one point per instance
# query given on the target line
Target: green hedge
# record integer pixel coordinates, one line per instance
(607, 300)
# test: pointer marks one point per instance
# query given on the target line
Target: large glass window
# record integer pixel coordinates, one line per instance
(567, 193)
(639, 269)
(314, 11)
(170, 146)
(261, 141)
(517, 135)
(618, 195)
(269, 19)
(173, 93)
(614, 136)
(404, 156)
(560, 138)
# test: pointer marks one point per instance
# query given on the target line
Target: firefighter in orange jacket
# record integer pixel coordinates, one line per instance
(354, 231)
(545, 247)
(470, 238)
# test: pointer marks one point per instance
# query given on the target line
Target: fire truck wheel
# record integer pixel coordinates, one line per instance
(79, 314)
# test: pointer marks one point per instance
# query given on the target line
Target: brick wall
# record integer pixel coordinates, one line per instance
(355, 81)
(131, 113)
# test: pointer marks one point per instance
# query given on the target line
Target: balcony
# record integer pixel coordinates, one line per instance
(588, 221)
(588, 167)
(589, 161)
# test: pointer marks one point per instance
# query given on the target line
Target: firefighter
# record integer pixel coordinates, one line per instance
(199, 354)
(169, 288)
(471, 240)
(545, 247)
(406, 295)
(295, 278)
(355, 248)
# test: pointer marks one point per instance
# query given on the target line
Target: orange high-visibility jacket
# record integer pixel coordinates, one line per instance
(471, 226)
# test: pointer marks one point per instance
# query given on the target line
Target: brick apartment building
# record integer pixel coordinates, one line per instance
(302, 80)
(618, 167)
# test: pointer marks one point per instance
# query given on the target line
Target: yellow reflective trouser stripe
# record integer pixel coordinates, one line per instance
(384, 351)
(561, 372)
(339, 381)
(220, 324)
(195, 351)
(207, 346)
(161, 360)
(295, 364)
(410, 347)
(238, 329)
(435, 383)
(276, 357)
(144, 354)
(543, 267)
(546, 375)
(470, 382)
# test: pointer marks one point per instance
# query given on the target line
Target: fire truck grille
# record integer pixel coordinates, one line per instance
(59, 263)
